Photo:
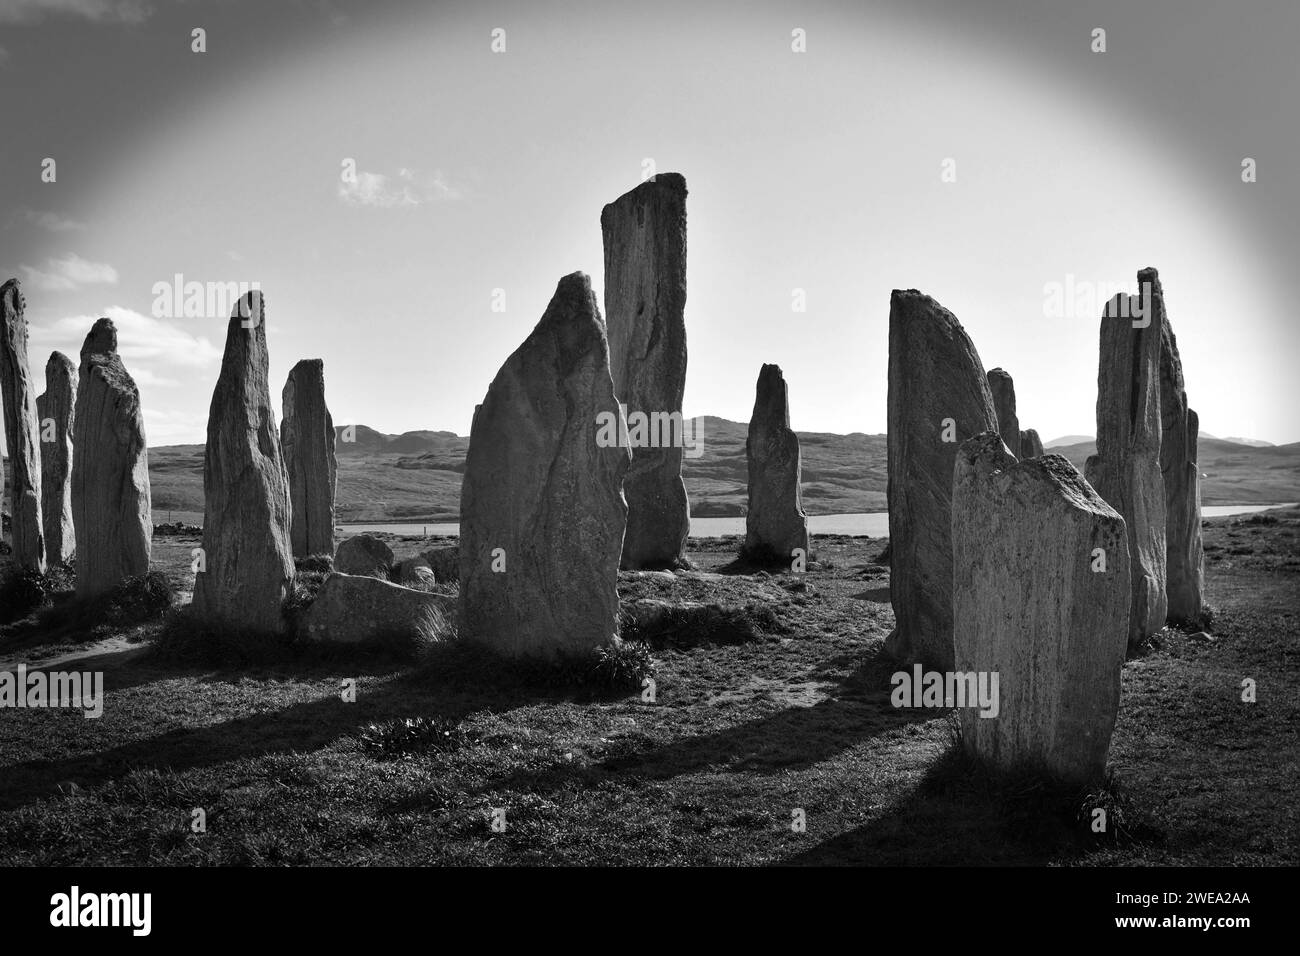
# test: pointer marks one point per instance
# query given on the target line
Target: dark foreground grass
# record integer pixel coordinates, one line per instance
(370, 759)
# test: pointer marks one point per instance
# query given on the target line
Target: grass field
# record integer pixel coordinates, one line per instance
(786, 710)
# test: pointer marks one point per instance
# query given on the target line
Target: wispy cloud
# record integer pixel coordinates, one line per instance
(97, 11)
(52, 221)
(157, 352)
(68, 273)
(408, 188)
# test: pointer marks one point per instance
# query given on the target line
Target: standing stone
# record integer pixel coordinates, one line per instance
(307, 438)
(645, 296)
(111, 512)
(56, 408)
(22, 433)
(1003, 390)
(1031, 446)
(1126, 468)
(1179, 432)
(1031, 605)
(938, 397)
(542, 508)
(775, 525)
(249, 561)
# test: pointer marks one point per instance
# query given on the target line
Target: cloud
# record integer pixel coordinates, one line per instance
(157, 352)
(408, 188)
(52, 221)
(70, 272)
(4, 56)
(97, 11)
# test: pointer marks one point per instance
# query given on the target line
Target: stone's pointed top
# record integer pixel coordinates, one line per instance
(1149, 274)
(101, 339)
(14, 288)
(999, 373)
(666, 186)
(314, 364)
(769, 371)
(251, 306)
(911, 303)
(574, 284)
(59, 360)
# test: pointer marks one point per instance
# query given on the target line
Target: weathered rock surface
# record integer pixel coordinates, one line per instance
(1031, 446)
(445, 562)
(644, 233)
(22, 433)
(307, 440)
(56, 411)
(1029, 606)
(1125, 471)
(350, 609)
(249, 560)
(1179, 434)
(111, 512)
(1003, 390)
(542, 507)
(775, 523)
(364, 554)
(938, 398)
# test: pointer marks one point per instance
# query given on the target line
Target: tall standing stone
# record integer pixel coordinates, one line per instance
(645, 298)
(1179, 433)
(307, 438)
(22, 434)
(775, 524)
(111, 512)
(1003, 389)
(56, 408)
(1033, 605)
(542, 508)
(938, 398)
(248, 560)
(1126, 468)
(1031, 446)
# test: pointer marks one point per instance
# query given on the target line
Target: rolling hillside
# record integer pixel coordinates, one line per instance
(416, 476)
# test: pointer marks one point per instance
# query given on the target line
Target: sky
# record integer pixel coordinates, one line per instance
(825, 175)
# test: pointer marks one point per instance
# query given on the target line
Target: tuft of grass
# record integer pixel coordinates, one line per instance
(319, 563)
(622, 665)
(303, 589)
(22, 591)
(407, 737)
(696, 625)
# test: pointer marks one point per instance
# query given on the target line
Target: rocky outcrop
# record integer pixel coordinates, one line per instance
(1035, 605)
(1179, 434)
(22, 433)
(644, 233)
(1003, 390)
(364, 554)
(1125, 471)
(1031, 446)
(111, 511)
(938, 398)
(542, 510)
(775, 524)
(307, 440)
(353, 609)
(56, 408)
(249, 561)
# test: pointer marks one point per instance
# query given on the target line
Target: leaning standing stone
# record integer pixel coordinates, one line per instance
(645, 298)
(938, 397)
(307, 438)
(246, 550)
(1125, 471)
(1003, 390)
(1179, 433)
(22, 435)
(111, 513)
(56, 409)
(775, 525)
(1040, 599)
(542, 508)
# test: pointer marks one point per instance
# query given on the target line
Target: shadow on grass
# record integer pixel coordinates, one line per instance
(963, 813)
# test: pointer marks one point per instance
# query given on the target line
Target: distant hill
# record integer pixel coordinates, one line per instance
(1066, 440)
(416, 476)
(1252, 442)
